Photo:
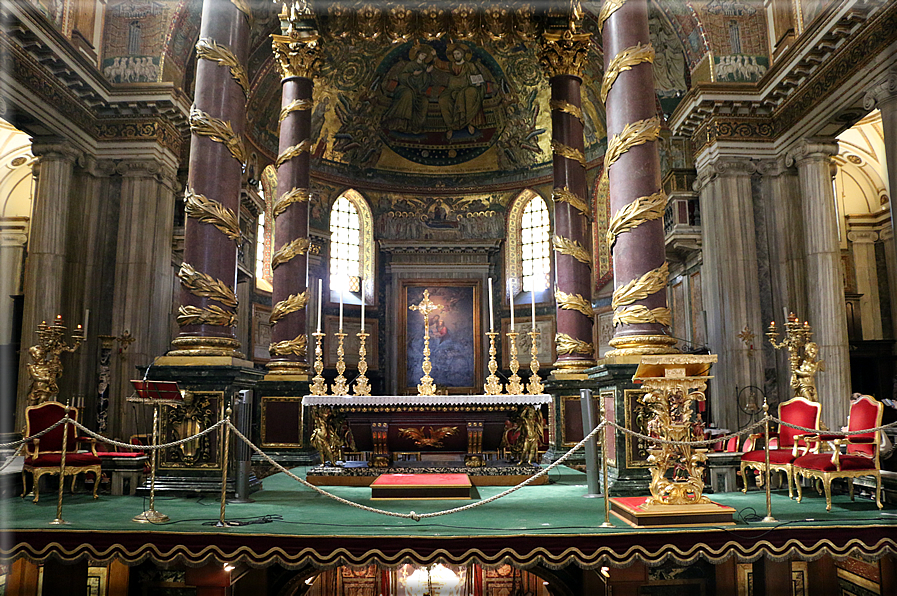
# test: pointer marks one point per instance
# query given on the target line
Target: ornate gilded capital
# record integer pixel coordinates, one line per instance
(811, 149)
(564, 53)
(295, 57)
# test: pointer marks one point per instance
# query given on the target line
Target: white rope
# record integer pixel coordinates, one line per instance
(149, 447)
(35, 436)
(701, 443)
(842, 433)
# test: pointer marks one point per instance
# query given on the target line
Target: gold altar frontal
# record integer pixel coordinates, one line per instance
(634, 512)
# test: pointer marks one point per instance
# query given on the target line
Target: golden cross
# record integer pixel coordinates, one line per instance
(426, 305)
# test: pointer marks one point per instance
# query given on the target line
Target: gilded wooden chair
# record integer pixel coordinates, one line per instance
(44, 454)
(798, 411)
(861, 457)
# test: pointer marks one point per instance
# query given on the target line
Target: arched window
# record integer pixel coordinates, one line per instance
(528, 254)
(351, 246)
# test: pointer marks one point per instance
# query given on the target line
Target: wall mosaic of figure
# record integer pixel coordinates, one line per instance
(134, 38)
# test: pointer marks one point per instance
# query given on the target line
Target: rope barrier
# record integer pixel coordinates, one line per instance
(34, 436)
(12, 458)
(702, 442)
(100, 437)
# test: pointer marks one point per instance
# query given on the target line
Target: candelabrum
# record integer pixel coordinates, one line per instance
(534, 387)
(802, 354)
(362, 386)
(493, 385)
(515, 387)
(340, 386)
(318, 386)
(46, 364)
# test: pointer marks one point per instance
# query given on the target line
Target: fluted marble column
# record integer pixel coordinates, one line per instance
(827, 310)
(862, 245)
(637, 202)
(12, 253)
(207, 314)
(731, 283)
(562, 56)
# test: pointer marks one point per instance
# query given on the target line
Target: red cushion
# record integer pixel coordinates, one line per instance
(776, 456)
(799, 412)
(822, 462)
(45, 416)
(71, 459)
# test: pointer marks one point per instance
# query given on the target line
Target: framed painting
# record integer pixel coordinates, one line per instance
(261, 332)
(351, 343)
(544, 342)
(454, 330)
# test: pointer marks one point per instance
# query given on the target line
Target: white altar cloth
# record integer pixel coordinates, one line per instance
(425, 400)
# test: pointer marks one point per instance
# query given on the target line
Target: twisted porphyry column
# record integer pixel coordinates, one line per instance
(637, 201)
(562, 56)
(296, 54)
(207, 314)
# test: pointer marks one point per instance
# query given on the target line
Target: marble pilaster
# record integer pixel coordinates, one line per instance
(13, 238)
(862, 245)
(826, 308)
(731, 284)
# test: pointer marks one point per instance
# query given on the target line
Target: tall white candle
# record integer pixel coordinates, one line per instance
(511, 294)
(320, 298)
(362, 305)
(491, 319)
(340, 306)
(534, 308)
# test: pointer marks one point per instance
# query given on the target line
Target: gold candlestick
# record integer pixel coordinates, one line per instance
(318, 386)
(340, 386)
(515, 387)
(534, 387)
(493, 385)
(362, 386)
(426, 306)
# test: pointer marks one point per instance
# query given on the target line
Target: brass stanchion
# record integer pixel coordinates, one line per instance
(226, 452)
(769, 517)
(151, 516)
(58, 521)
(605, 488)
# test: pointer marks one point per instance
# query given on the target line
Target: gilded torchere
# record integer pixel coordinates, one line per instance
(803, 355)
(46, 365)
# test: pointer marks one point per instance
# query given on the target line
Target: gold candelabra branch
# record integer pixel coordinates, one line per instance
(515, 387)
(802, 355)
(493, 384)
(534, 387)
(362, 386)
(46, 365)
(318, 386)
(340, 386)
(426, 306)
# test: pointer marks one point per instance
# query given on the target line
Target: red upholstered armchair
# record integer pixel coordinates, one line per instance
(862, 452)
(43, 454)
(798, 411)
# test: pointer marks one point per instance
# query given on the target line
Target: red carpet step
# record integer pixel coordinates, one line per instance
(421, 486)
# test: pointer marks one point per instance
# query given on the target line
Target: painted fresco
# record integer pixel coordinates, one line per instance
(478, 217)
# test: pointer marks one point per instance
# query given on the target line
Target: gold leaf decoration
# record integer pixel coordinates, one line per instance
(202, 284)
(214, 315)
(568, 152)
(634, 133)
(297, 347)
(296, 57)
(635, 214)
(638, 289)
(568, 345)
(290, 305)
(299, 246)
(574, 302)
(303, 146)
(608, 8)
(566, 246)
(566, 107)
(633, 315)
(219, 131)
(565, 195)
(212, 212)
(625, 60)
(295, 195)
(243, 6)
(296, 105)
(209, 49)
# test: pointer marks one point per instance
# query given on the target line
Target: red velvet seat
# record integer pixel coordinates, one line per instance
(44, 454)
(798, 411)
(861, 457)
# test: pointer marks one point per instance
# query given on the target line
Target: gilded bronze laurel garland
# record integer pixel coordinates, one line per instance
(638, 289)
(202, 284)
(574, 302)
(608, 8)
(243, 6)
(634, 315)
(296, 347)
(209, 49)
(297, 105)
(304, 146)
(299, 246)
(568, 345)
(213, 315)
(565, 195)
(219, 131)
(212, 212)
(568, 152)
(634, 214)
(572, 248)
(625, 60)
(292, 304)
(295, 195)
(566, 107)
(634, 133)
